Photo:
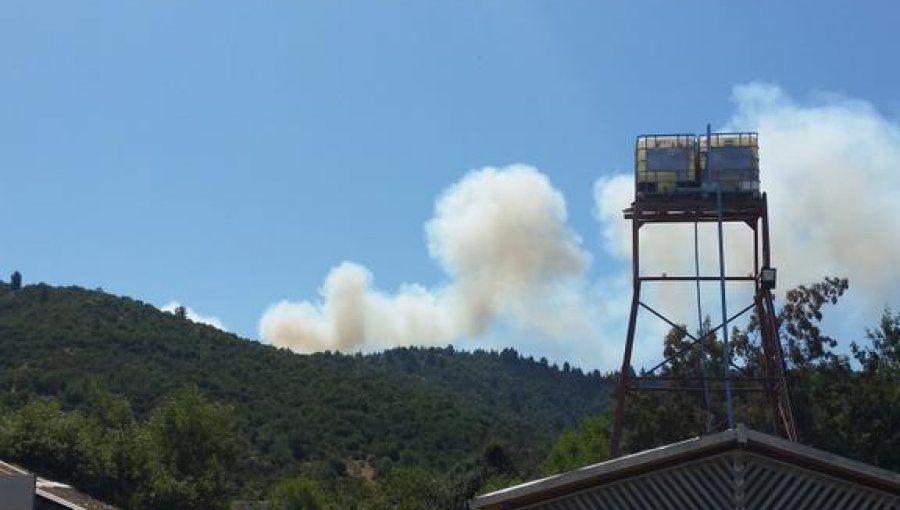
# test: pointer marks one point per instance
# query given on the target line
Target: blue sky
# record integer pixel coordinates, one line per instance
(227, 155)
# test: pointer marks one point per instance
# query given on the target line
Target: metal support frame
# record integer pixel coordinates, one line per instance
(752, 211)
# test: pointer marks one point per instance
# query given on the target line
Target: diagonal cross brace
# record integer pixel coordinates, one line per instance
(683, 330)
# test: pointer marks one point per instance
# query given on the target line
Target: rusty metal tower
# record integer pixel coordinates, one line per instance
(712, 178)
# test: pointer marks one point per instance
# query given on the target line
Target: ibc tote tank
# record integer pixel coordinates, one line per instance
(730, 162)
(664, 163)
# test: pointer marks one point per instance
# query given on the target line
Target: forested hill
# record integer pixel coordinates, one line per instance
(434, 409)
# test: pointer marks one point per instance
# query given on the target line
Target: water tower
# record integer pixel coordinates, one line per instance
(713, 179)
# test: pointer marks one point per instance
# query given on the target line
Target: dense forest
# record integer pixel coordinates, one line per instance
(147, 409)
(122, 380)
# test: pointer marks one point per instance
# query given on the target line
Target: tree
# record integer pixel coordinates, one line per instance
(588, 444)
(15, 280)
(410, 488)
(799, 320)
(41, 435)
(884, 354)
(494, 471)
(297, 493)
(186, 449)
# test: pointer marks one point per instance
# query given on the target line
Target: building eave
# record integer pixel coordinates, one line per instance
(665, 456)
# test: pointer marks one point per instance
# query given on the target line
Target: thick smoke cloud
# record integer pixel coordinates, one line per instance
(833, 168)
(501, 237)
(832, 171)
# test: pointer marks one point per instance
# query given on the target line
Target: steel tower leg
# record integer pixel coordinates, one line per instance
(777, 389)
(624, 376)
(625, 372)
(780, 396)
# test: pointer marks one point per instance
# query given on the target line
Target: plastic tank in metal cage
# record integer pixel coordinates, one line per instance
(665, 163)
(730, 162)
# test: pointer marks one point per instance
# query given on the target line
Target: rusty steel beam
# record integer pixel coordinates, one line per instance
(625, 372)
(696, 278)
(753, 211)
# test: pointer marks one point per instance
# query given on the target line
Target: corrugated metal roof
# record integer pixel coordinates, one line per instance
(738, 468)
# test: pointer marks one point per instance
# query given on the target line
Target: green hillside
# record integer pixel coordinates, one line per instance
(436, 410)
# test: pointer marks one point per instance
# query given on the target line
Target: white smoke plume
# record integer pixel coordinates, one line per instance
(501, 237)
(831, 168)
(209, 320)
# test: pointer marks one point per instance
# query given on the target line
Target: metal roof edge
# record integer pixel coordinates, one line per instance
(819, 460)
(57, 499)
(667, 455)
(609, 470)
